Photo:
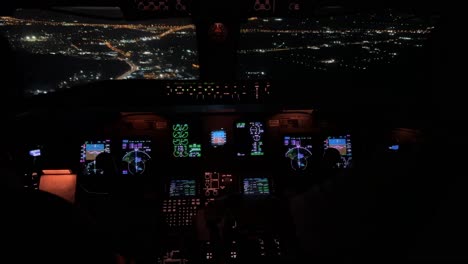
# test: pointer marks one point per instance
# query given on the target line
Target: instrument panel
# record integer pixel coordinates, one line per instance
(213, 147)
(189, 161)
(185, 164)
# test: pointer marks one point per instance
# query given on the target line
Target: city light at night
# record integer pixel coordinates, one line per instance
(67, 51)
(60, 51)
(292, 48)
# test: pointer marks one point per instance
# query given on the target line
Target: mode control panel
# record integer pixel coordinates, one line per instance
(180, 212)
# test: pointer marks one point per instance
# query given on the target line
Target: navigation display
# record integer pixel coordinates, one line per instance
(184, 144)
(218, 138)
(137, 153)
(89, 151)
(298, 150)
(343, 145)
(249, 137)
(182, 188)
(256, 186)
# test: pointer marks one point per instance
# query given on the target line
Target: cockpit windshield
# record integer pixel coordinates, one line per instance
(285, 48)
(57, 50)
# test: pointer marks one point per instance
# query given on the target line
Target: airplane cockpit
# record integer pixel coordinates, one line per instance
(228, 131)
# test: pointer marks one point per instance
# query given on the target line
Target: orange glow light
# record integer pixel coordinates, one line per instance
(61, 185)
(57, 172)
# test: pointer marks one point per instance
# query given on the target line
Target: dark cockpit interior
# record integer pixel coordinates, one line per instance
(209, 132)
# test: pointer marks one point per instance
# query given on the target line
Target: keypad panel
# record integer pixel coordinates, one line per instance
(180, 212)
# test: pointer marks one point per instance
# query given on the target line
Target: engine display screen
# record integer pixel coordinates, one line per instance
(298, 150)
(182, 188)
(256, 186)
(89, 151)
(249, 138)
(137, 154)
(184, 143)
